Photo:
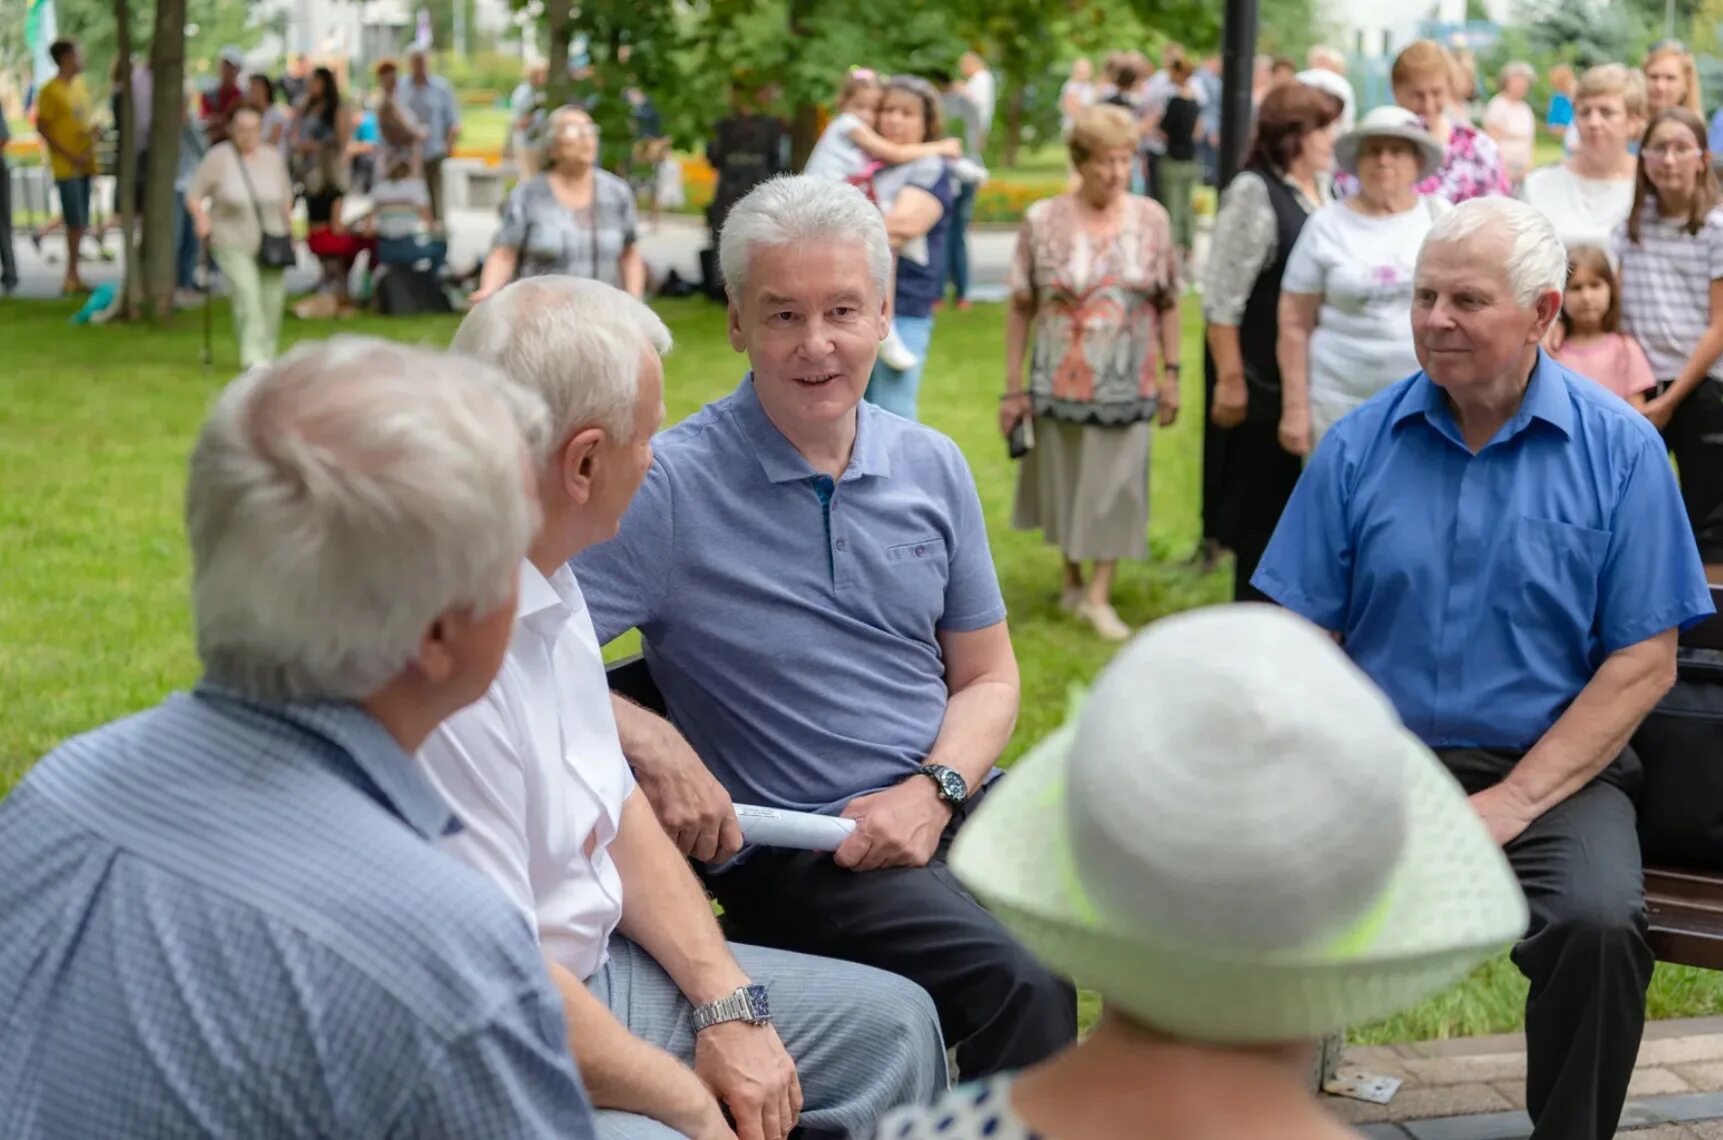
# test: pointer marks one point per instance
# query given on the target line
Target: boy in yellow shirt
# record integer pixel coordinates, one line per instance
(63, 122)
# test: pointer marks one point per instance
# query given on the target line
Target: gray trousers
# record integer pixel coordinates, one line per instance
(864, 1041)
(8, 261)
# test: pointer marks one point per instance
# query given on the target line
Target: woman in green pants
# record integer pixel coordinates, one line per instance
(240, 192)
(1179, 170)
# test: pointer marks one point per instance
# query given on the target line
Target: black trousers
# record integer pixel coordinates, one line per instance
(8, 262)
(1585, 952)
(1001, 1008)
(1695, 435)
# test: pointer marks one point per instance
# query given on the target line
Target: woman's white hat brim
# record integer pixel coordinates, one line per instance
(1451, 901)
(1430, 153)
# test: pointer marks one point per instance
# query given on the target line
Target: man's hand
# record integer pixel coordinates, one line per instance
(747, 1069)
(899, 827)
(693, 806)
(1231, 401)
(1659, 412)
(1504, 811)
(1167, 398)
(692, 1109)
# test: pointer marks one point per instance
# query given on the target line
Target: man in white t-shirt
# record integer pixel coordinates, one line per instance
(981, 89)
(671, 1026)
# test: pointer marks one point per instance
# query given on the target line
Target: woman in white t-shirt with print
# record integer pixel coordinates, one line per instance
(1346, 295)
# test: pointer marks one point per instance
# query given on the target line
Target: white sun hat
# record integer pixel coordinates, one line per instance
(1238, 842)
(1390, 122)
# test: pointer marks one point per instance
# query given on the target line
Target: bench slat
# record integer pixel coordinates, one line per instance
(1684, 910)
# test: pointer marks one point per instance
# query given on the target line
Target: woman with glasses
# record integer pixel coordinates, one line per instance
(1588, 196)
(1671, 254)
(573, 219)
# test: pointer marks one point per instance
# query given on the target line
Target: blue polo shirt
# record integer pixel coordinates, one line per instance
(790, 620)
(1482, 592)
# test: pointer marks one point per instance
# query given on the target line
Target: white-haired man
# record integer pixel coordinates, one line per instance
(1500, 544)
(670, 1026)
(225, 916)
(1326, 71)
(812, 582)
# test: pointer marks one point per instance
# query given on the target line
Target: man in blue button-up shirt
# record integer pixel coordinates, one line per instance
(225, 916)
(1501, 545)
(433, 103)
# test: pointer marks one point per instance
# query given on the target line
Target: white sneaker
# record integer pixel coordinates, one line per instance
(896, 354)
(968, 171)
(1106, 621)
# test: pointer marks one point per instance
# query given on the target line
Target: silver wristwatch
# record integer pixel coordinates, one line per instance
(746, 1004)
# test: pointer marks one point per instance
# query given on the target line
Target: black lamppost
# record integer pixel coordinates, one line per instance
(1238, 71)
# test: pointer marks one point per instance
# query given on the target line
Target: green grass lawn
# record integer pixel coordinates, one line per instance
(94, 430)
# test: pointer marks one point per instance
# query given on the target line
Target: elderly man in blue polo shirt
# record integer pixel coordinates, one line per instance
(812, 582)
(1501, 545)
(225, 916)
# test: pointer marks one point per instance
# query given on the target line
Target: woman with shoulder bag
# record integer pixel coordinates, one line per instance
(241, 205)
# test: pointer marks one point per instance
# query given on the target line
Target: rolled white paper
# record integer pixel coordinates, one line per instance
(802, 830)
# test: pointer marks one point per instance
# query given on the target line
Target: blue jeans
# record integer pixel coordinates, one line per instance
(185, 247)
(75, 201)
(411, 251)
(957, 242)
(896, 391)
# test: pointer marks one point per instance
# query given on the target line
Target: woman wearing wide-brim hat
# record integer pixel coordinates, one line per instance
(1239, 845)
(1346, 296)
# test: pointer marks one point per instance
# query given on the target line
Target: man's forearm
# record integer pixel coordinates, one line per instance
(1596, 727)
(638, 729)
(620, 1070)
(665, 910)
(978, 722)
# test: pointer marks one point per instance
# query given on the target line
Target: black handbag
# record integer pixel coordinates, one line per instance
(276, 250)
(1681, 746)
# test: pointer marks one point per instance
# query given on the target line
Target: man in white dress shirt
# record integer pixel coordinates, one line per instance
(669, 1025)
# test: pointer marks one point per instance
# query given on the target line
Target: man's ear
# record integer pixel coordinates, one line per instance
(737, 341)
(1548, 308)
(579, 460)
(435, 659)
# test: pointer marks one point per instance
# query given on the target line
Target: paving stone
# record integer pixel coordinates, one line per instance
(1682, 1050)
(1707, 1129)
(1465, 1046)
(1487, 1068)
(1706, 1076)
(1383, 1060)
(1485, 1126)
(1659, 1132)
(1514, 1092)
(1656, 1082)
(1682, 1027)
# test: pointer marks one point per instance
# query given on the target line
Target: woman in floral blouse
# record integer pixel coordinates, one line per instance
(1096, 280)
(1425, 78)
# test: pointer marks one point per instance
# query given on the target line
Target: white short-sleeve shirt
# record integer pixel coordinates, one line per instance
(535, 773)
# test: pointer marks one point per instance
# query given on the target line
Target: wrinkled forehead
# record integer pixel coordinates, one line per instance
(813, 274)
(1476, 263)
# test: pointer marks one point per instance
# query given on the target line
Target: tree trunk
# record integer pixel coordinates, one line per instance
(805, 121)
(1013, 123)
(559, 19)
(128, 165)
(167, 112)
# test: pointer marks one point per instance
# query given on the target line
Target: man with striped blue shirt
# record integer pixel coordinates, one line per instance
(225, 916)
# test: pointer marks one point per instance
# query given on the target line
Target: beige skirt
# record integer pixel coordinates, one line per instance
(1086, 488)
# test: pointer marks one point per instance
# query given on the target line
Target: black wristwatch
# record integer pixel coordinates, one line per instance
(953, 789)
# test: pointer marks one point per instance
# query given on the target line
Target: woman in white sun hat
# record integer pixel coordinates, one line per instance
(1241, 847)
(1345, 313)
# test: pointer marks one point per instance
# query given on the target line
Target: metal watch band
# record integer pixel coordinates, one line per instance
(735, 1007)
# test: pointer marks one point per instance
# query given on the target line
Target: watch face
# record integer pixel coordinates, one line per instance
(952, 784)
(758, 1006)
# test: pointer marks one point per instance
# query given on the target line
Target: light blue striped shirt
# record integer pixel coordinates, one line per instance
(227, 919)
(433, 104)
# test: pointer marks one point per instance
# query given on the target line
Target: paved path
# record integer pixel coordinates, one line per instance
(1474, 1088)
(675, 243)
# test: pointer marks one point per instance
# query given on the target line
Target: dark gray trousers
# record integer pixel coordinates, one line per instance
(8, 260)
(1585, 952)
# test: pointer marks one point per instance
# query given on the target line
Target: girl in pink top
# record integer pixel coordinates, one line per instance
(1591, 342)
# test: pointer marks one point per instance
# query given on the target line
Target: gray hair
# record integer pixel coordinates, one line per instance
(553, 125)
(1517, 69)
(1536, 258)
(793, 209)
(342, 499)
(577, 344)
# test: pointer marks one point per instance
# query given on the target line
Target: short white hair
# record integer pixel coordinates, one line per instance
(1536, 258)
(793, 209)
(342, 499)
(575, 343)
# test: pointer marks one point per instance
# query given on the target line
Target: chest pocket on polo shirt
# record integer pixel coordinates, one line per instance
(927, 552)
(912, 594)
(1555, 570)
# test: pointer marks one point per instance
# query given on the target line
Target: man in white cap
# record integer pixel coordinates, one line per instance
(1500, 544)
(671, 1026)
(222, 100)
(1327, 72)
(1243, 849)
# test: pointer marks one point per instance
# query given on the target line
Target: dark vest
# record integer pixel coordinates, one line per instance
(1259, 327)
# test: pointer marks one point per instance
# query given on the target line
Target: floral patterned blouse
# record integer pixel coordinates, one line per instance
(1472, 168)
(1099, 303)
